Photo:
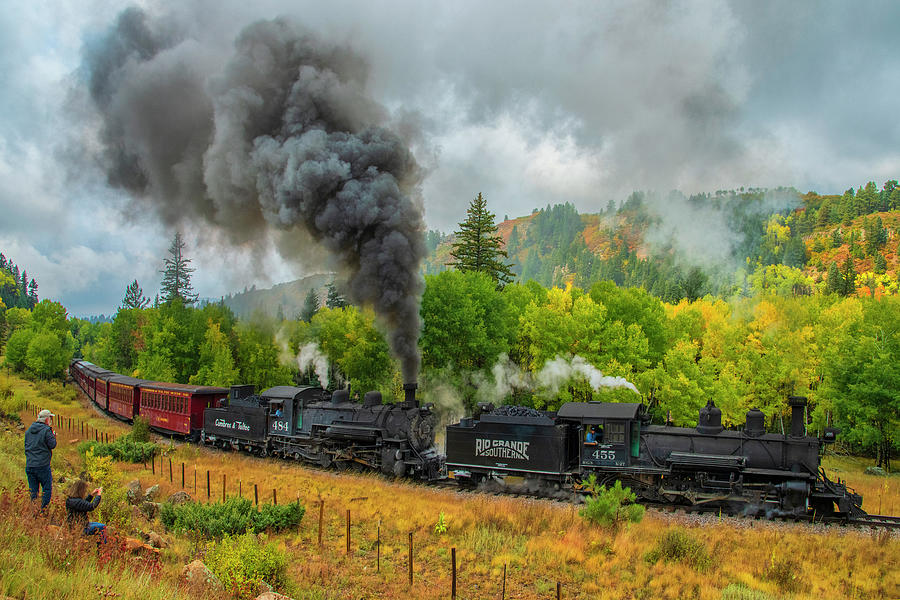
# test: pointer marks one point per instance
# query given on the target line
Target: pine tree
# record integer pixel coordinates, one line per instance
(880, 263)
(835, 281)
(134, 296)
(176, 283)
(334, 298)
(32, 293)
(310, 306)
(478, 247)
(849, 277)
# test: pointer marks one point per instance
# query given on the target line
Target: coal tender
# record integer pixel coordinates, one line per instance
(328, 429)
(512, 440)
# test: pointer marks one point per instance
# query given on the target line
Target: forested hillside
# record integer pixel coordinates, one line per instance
(730, 243)
(284, 300)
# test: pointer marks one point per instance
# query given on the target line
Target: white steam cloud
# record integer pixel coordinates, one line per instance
(311, 356)
(509, 377)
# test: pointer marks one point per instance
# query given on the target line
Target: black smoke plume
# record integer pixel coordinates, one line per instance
(278, 134)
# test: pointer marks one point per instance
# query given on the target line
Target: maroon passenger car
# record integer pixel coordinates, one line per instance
(176, 407)
(125, 396)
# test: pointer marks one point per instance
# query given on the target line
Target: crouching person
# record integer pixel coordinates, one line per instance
(79, 503)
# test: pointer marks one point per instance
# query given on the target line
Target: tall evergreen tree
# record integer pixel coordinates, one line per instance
(849, 276)
(880, 263)
(478, 247)
(134, 296)
(32, 293)
(834, 281)
(334, 298)
(310, 306)
(176, 283)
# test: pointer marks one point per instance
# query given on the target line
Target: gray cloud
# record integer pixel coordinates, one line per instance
(529, 103)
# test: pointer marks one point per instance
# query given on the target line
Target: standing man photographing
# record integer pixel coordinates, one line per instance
(39, 444)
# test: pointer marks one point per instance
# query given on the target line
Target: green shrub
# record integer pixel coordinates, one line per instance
(610, 506)
(124, 449)
(140, 429)
(242, 563)
(12, 402)
(114, 508)
(232, 517)
(679, 546)
(783, 572)
(278, 518)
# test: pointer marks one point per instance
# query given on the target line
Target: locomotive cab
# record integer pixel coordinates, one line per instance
(610, 432)
(285, 408)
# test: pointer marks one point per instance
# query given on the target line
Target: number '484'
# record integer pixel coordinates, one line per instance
(604, 454)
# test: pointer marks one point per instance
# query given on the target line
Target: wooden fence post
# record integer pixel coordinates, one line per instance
(558, 590)
(321, 511)
(503, 593)
(171, 480)
(182, 475)
(410, 559)
(241, 488)
(274, 497)
(223, 487)
(207, 485)
(255, 494)
(348, 532)
(153, 464)
(378, 546)
(195, 482)
(453, 573)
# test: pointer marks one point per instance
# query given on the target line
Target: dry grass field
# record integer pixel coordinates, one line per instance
(538, 543)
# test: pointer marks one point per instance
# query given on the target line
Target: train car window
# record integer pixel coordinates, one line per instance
(614, 433)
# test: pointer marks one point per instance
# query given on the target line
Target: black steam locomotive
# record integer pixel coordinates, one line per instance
(309, 424)
(744, 472)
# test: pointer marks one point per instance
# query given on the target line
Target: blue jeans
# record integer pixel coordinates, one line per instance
(43, 477)
(94, 528)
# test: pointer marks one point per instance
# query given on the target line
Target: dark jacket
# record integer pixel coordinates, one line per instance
(78, 508)
(39, 443)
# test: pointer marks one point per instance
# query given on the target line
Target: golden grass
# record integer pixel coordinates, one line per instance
(539, 542)
(881, 495)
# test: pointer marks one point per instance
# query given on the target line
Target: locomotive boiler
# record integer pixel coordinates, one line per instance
(328, 429)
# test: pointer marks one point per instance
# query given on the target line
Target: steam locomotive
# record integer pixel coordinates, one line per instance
(308, 423)
(548, 453)
(740, 472)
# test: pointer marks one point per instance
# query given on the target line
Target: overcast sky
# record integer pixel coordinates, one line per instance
(530, 103)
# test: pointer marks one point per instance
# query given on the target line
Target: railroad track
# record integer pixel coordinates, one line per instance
(877, 521)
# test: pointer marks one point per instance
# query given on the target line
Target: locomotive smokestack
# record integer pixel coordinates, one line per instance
(798, 415)
(409, 393)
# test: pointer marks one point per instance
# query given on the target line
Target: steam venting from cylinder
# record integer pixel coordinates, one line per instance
(275, 139)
